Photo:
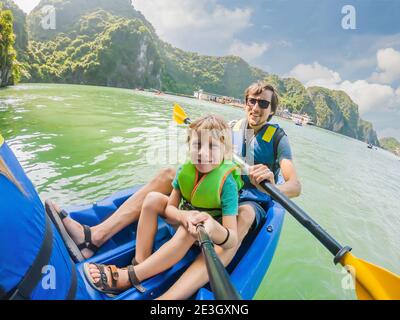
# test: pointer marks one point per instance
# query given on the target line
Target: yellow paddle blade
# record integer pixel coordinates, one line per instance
(179, 114)
(372, 282)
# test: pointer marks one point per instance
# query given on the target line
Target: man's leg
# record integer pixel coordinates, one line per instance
(196, 275)
(128, 213)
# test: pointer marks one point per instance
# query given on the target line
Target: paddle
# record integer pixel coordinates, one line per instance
(221, 285)
(372, 282)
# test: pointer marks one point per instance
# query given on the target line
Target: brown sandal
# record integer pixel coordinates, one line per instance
(102, 285)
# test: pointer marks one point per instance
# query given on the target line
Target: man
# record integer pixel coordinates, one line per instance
(255, 138)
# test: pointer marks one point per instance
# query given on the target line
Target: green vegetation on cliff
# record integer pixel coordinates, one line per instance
(185, 72)
(110, 43)
(13, 43)
(107, 50)
(9, 71)
(390, 144)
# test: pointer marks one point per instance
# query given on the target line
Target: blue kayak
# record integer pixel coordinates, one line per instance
(36, 264)
(247, 270)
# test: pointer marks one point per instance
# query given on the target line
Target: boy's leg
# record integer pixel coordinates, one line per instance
(153, 205)
(196, 275)
(128, 213)
(167, 256)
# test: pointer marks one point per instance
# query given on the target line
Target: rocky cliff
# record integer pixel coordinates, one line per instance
(391, 144)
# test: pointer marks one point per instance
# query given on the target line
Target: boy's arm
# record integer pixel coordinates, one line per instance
(230, 223)
(230, 207)
(172, 212)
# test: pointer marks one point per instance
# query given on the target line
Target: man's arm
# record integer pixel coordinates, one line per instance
(292, 185)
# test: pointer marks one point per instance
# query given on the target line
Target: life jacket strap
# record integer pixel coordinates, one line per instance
(24, 289)
(187, 206)
(279, 134)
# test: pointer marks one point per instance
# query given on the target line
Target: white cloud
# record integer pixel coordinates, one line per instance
(315, 75)
(369, 96)
(284, 43)
(195, 25)
(27, 5)
(248, 52)
(388, 66)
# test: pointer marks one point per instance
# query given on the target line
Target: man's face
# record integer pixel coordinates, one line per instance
(257, 116)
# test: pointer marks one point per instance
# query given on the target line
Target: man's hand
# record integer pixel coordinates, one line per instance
(260, 173)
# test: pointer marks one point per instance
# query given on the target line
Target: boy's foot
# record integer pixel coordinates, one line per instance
(107, 279)
(111, 280)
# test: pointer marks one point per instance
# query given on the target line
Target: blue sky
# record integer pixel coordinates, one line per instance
(300, 38)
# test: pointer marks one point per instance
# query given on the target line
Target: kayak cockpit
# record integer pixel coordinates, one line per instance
(121, 248)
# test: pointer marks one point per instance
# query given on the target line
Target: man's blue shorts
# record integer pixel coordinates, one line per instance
(259, 211)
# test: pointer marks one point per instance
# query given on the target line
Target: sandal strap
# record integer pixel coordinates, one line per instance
(134, 280)
(114, 274)
(103, 283)
(134, 262)
(63, 214)
(88, 244)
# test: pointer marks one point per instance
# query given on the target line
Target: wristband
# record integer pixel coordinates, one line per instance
(226, 239)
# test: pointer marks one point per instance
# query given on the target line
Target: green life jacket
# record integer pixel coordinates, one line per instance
(204, 194)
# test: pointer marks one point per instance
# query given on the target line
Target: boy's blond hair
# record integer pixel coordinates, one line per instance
(214, 125)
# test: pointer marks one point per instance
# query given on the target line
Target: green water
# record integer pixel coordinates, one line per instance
(79, 144)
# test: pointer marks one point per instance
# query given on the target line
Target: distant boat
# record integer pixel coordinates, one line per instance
(300, 119)
(370, 146)
(298, 123)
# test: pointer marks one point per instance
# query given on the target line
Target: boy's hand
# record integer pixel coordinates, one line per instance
(187, 216)
(195, 218)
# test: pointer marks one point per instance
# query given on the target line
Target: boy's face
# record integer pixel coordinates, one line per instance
(206, 152)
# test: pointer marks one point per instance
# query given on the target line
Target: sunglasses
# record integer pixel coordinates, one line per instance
(263, 104)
